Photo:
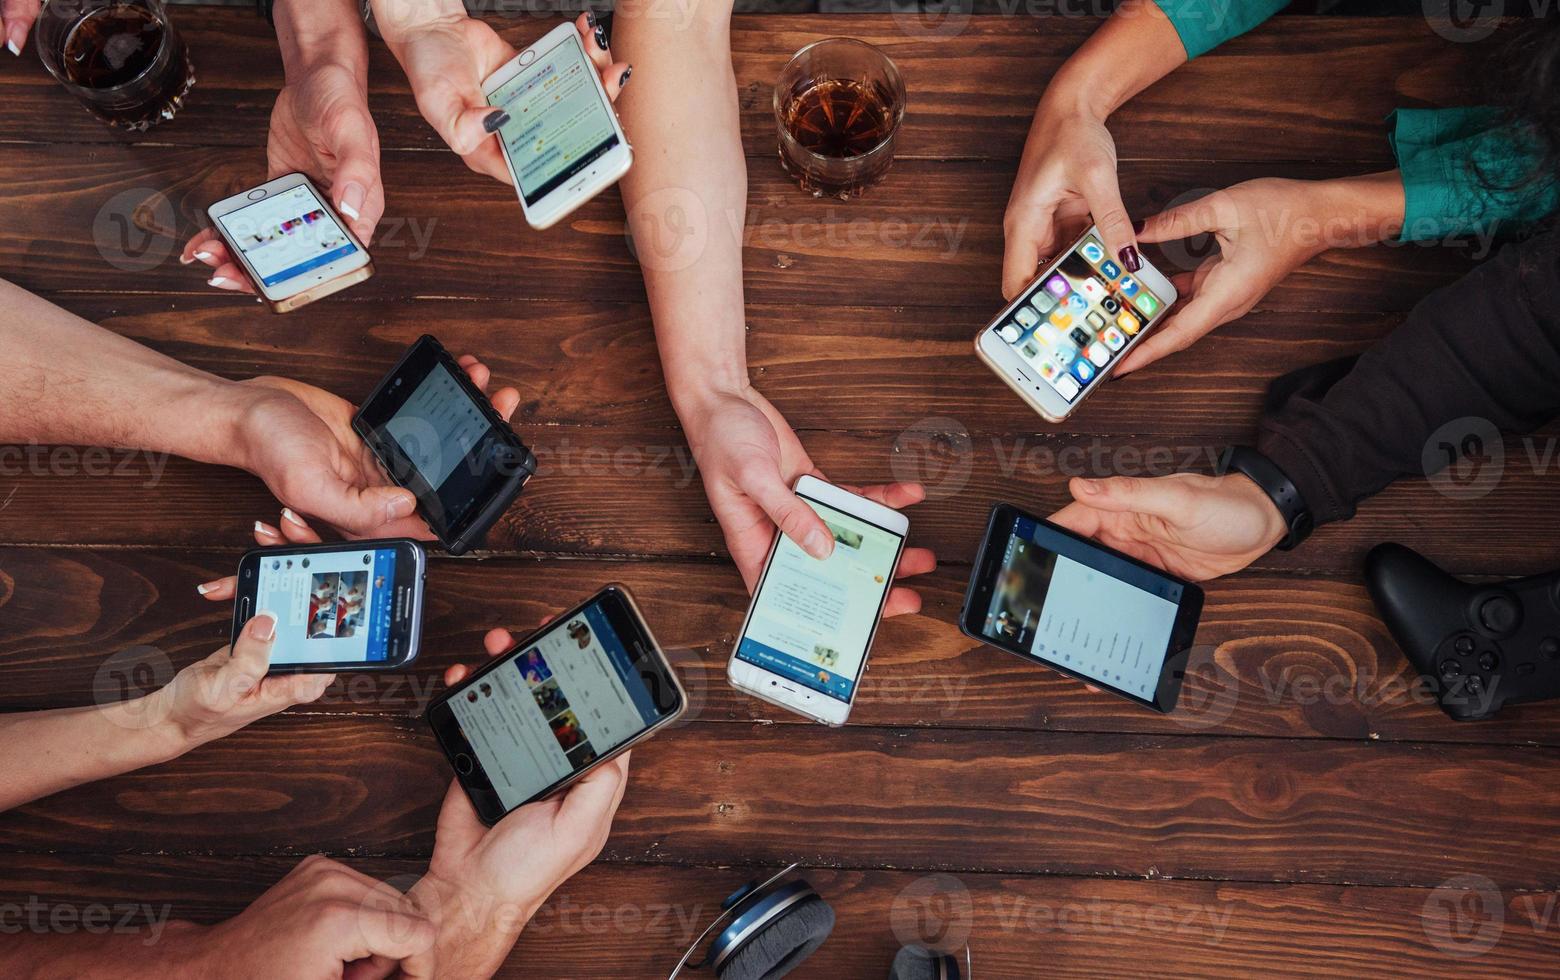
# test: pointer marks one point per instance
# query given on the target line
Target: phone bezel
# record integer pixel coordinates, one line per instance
(391, 394)
(988, 561)
(623, 613)
(1009, 365)
(411, 568)
(782, 691)
(309, 286)
(600, 174)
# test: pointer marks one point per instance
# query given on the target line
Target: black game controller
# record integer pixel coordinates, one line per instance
(1479, 646)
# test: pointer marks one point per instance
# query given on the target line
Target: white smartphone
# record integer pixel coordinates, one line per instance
(1072, 325)
(563, 143)
(804, 643)
(290, 242)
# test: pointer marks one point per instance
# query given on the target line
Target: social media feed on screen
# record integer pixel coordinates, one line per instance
(285, 235)
(1076, 321)
(332, 607)
(1093, 613)
(812, 621)
(562, 701)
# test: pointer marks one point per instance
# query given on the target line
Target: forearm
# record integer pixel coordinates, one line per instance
(398, 20)
(64, 380)
(49, 751)
(1133, 49)
(309, 32)
(686, 196)
(1485, 349)
(475, 934)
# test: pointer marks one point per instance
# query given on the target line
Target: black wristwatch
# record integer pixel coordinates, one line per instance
(1279, 488)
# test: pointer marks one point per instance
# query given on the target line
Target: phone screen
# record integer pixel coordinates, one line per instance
(813, 620)
(286, 235)
(1067, 602)
(332, 607)
(557, 704)
(559, 123)
(1079, 318)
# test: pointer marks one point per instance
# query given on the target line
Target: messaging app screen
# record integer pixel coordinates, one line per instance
(813, 619)
(557, 120)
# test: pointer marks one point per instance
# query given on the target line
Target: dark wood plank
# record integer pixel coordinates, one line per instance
(614, 921)
(930, 236)
(1277, 656)
(973, 86)
(1056, 803)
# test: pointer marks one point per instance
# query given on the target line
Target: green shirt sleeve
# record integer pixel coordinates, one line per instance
(1466, 172)
(1205, 24)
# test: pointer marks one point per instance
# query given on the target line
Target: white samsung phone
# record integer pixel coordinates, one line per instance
(1072, 325)
(290, 242)
(804, 643)
(563, 143)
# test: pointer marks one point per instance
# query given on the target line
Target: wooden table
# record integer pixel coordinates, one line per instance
(1303, 814)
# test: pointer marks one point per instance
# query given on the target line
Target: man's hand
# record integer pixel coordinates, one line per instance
(299, 440)
(324, 920)
(447, 55)
(1197, 527)
(483, 885)
(749, 458)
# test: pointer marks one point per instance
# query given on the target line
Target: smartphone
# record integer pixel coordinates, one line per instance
(581, 690)
(438, 436)
(1072, 325)
(1078, 607)
(290, 242)
(339, 606)
(563, 143)
(804, 643)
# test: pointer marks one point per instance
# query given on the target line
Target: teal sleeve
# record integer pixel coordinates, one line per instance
(1205, 24)
(1466, 172)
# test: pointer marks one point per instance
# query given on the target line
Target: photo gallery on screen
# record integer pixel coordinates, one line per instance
(555, 706)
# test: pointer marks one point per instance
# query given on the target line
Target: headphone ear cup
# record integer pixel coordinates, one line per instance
(783, 944)
(920, 963)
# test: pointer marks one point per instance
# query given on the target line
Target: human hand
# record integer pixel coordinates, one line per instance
(749, 458)
(16, 19)
(1196, 527)
(323, 920)
(299, 440)
(483, 885)
(320, 126)
(447, 55)
(1067, 173)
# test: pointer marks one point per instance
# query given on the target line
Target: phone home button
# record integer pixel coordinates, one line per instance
(463, 764)
(526, 57)
(255, 195)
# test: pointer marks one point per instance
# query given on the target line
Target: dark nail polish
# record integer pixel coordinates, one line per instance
(1139, 225)
(601, 39)
(1129, 258)
(495, 120)
(590, 18)
(626, 72)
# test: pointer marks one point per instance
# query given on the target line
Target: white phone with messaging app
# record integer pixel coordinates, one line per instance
(804, 644)
(563, 143)
(1072, 325)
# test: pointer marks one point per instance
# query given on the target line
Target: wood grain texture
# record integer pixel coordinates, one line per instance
(625, 920)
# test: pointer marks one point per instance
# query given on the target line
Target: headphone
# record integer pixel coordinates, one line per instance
(766, 929)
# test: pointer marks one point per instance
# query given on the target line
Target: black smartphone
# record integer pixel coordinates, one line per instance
(1078, 607)
(436, 435)
(352, 605)
(567, 698)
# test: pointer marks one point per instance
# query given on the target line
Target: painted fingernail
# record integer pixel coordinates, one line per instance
(622, 81)
(186, 261)
(495, 120)
(222, 282)
(208, 587)
(1139, 225)
(816, 544)
(263, 626)
(13, 48)
(590, 18)
(288, 515)
(1129, 258)
(204, 256)
(261, 527)
(601, 38)
(352, 196)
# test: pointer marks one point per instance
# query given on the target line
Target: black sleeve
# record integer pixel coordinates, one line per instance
(1483, 351)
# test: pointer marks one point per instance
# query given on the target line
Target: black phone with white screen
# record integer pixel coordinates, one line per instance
(1059, 599)
(567, 698)
(438, 436)
(339, 606)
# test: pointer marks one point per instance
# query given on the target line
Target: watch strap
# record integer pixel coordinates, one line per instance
(1262, 471)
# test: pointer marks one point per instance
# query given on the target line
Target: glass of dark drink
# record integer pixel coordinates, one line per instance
(839, 103)
(121, 58)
